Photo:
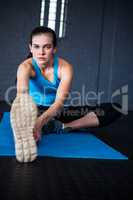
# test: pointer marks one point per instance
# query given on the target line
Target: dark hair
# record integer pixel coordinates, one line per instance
(40, 30)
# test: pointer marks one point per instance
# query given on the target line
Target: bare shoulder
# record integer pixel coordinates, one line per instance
(64, 63)
(26, 67)
(65, 68)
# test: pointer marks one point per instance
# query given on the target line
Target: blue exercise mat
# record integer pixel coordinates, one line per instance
(70, 145)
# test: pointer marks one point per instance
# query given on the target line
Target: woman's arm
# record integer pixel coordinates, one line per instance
(23, 74)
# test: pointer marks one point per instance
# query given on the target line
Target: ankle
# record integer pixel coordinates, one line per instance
(65, 125)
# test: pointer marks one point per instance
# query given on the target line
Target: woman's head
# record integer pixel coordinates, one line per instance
(44, 30)
(43, 45)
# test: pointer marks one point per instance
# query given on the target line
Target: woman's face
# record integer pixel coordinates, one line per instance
(42, 49)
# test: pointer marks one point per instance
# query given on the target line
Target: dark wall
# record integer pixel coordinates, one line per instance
(98, 43)
(116, 71)
(17, 19)
(82, 46)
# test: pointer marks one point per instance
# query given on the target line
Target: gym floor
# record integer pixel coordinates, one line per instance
(85, 179)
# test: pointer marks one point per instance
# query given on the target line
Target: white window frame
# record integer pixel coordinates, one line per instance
(52, 16)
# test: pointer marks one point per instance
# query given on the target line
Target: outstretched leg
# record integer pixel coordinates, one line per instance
(23, 116)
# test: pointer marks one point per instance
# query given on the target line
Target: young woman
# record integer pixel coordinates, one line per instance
(46, 79)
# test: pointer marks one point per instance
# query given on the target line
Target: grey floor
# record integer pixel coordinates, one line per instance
(90, 179)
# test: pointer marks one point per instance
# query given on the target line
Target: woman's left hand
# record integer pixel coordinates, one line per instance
(38, 128)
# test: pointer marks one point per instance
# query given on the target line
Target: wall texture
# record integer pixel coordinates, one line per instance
(98, 43)
(17, 19)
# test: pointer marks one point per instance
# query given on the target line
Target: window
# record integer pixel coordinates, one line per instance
(42, 13)
(54, 15)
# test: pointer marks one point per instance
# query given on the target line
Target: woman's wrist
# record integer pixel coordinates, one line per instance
(44, 118)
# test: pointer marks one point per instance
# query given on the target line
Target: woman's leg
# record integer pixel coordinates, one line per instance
(86, 116)
(89, 120)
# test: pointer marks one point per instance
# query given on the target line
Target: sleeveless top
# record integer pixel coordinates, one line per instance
(41, 89)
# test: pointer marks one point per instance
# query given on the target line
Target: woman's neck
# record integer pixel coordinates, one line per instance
(48, 65)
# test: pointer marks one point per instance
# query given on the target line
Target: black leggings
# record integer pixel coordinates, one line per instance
(105, 112)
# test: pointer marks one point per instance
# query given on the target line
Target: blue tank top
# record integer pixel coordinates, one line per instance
(42, 90)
